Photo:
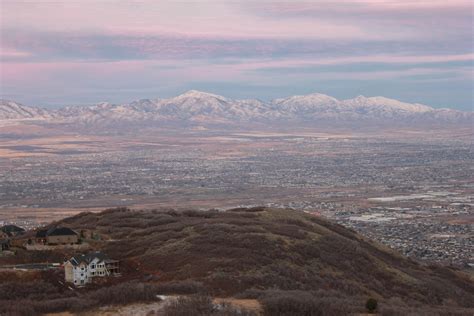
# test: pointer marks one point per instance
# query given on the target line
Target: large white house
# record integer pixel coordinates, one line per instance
(82, 269)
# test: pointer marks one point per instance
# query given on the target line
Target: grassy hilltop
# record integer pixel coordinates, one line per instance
(251, 252)
(290, 261)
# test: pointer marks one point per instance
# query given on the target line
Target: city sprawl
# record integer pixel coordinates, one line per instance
(414, 196)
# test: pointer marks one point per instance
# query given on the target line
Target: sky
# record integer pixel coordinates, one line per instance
(65, 52)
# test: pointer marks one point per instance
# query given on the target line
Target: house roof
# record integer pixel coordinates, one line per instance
(41, 233)
(88, 258)
(60, 231)
(55, 231)
(11, 229)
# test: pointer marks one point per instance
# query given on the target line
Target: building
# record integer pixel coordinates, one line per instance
(82, 269)
(4, 245)
(11, 230)
(57, 236)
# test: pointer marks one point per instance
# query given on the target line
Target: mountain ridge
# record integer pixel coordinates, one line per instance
(200, 107)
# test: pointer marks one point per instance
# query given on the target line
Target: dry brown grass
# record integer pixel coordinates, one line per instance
(311, 264)
(243, 249)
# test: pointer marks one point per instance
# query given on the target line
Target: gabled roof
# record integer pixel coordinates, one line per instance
(41, 233)
(55, 231)
(60, 231)
(11, 229)
(88, 258)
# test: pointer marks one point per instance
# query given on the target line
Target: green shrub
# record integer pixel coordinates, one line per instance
(371, 305)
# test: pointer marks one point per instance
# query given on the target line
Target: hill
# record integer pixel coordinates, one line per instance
(268, 253)
(207, 109)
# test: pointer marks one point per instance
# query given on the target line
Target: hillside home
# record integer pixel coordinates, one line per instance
(4, 245)
(82, 269)
(57, 236)
(11, 230)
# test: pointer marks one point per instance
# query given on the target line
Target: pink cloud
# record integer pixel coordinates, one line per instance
(389, 59)
(6, 52)
(55, 46)
(203, 70)
(204, 19)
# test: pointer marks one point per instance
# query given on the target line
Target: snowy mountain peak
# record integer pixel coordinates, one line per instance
(206, 108)
(360, 98)
(313, 98)
(16, 111)
(320, 96)
(199, 95)
(385, 103)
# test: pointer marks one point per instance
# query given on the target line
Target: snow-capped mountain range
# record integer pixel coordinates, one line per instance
(10, 110)
(207, 108)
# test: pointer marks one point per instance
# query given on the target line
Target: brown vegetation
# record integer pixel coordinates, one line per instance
(199, 305)
(292, 262)
(39, 297)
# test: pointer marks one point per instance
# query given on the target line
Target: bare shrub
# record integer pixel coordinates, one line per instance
(303, 303)
(195, 305)
(124, 293)
(289, 304)
(17, 308)
(202, 306)
(32, 290)
(180, 287)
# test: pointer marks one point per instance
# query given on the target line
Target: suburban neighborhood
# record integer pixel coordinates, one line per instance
(83, 268)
